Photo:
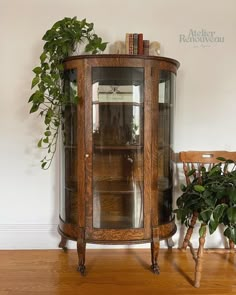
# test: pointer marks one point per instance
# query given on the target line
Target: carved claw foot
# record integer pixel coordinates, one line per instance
(81, 269)
(155, 269)
(64, 249)
(62, 244)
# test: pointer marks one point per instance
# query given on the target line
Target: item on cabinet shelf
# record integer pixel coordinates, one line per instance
(209, 197)
(48, 99)
(134, 43)
(116, 164)
(146, 45)
(140, 43)
(154, 48)
(117, 48)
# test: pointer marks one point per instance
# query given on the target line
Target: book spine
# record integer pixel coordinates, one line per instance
(140, 43)
(146, 47)
(135, 40)
(131, 44)
(127, 43)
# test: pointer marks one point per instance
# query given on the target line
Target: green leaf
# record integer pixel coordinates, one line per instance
(205, 215)
(35, 81)
(199, 188)
(103, 46)
(230, 233)
(215, 170)
(45, 67)
(34, 108)
(43, 165)
(221, 159)
(183, 187)
(219, 211)
(37, 97)
(31, 97)
(230, 161)
(232, 196)
(37, 70)
(213, 224)
(43, 57)
(191, 172)
(60, 67)
(40, 143)
(231, 213)
(47, 133)
(45, 140)
(47, 79)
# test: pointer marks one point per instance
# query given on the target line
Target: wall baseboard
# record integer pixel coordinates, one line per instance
(29, 236)
(45, 236)
(42, 236)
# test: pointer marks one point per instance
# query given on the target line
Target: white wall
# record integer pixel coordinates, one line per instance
(206, 86)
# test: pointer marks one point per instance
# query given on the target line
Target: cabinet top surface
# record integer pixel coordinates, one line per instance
(125, 56)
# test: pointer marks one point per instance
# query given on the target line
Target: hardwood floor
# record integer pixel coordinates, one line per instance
(113, 272)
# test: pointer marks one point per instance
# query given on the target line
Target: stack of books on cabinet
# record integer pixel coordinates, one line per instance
(135, 44)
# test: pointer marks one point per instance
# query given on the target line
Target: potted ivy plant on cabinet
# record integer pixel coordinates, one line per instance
(67, 36)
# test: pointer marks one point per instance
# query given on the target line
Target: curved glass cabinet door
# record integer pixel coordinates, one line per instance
(68, 154)
(165, 144)
(117, 116)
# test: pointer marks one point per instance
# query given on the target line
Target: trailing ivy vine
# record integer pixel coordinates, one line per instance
(48, 98)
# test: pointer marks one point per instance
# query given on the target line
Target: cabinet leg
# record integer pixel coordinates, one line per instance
(63, 243)
(81, 247)
(155, 245)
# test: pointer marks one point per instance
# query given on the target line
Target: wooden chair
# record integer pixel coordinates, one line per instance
(196, 160)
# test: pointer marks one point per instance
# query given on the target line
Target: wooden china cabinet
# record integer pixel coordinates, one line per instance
(116, 174)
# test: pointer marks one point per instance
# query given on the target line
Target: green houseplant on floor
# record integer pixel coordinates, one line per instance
(48, 98)
(211, 197)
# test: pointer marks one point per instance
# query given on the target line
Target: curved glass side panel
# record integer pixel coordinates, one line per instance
(165, 144)
(117, 147)
(68, 153)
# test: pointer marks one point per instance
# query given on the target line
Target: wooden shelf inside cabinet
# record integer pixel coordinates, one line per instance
(117, 147)
(116, 187)
(118, 103)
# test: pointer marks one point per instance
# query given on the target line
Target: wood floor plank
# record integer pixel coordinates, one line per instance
(113, 272)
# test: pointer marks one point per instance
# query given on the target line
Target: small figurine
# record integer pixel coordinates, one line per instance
(154, 48)
(117, 48)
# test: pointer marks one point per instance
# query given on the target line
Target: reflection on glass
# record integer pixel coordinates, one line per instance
(116, 124)
(165, 138)
(68, 204)
(117, 147)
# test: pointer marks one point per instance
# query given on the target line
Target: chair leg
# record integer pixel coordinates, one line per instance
(231, 245)
(170, 243)
(189, 231)
(198, 266)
